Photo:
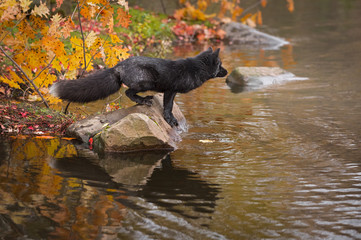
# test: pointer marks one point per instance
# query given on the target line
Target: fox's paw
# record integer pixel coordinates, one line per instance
(172, 121)
(147, 100)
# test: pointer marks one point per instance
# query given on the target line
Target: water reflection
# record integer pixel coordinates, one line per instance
(54, 189)
(181, 191)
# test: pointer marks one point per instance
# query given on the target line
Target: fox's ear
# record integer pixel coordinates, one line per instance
(216, 53)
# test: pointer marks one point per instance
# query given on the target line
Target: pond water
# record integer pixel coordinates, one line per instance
(283, 162)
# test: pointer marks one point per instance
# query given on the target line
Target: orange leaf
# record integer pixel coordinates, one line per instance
(58, 3)
(202, 5)
(69, 139)
(85, 12)
(45, 137)
(179, 13)
(290, 5)
(263, 3)
(236, 12)
(248, 15)
(259, 17)
(123, 18)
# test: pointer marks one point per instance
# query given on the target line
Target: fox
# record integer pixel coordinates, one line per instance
(141, 74)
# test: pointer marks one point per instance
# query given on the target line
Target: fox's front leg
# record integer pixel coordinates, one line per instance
(168, 99)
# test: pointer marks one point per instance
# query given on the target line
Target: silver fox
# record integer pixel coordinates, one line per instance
(142, 74)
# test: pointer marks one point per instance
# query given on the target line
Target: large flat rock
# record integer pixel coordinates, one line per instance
(139, 127)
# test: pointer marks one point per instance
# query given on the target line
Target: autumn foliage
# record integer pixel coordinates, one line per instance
(228, 9)
(39, 46)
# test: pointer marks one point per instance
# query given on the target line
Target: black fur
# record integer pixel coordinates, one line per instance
(142, 74)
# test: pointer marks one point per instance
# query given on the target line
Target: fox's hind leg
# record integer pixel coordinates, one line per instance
(168, 99)
(132, 94)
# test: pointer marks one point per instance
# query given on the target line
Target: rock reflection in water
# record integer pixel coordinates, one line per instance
(52, 189)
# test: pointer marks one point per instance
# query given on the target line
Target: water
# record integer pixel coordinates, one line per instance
(282, 162)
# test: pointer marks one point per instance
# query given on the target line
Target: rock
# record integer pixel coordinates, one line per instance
(139, 127)
(253, 78)
(136, 131)
(238, 33)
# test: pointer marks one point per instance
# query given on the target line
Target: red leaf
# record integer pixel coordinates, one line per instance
(91, 143)
(23, 114)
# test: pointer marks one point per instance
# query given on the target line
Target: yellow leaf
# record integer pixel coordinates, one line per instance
(51, 99)
(56, 20)
(76, 43)
(56, 64)
(10, 13)
(24, 4)
(16, 77)
(9, 82)
(45, 79)
(71, 74)
(8, 3)
(115, 38)
(41, 10)
(90, 39)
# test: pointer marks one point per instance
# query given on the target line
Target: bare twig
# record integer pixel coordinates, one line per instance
(44, 68)
(163, 7)
(258, 2)
(72, 15)
(91, 59)
(26, 77)
(75, 9)
(82, 34)
(100, 12)
(12, 28)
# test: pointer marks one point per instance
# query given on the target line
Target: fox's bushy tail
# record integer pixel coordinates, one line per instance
(90, 88)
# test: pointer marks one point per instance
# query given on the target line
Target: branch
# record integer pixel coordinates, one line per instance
(44, 68)
(163, 7)
(82, 34)
(26, 77)
(91, 59)
(2, 39)
(250, 8)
